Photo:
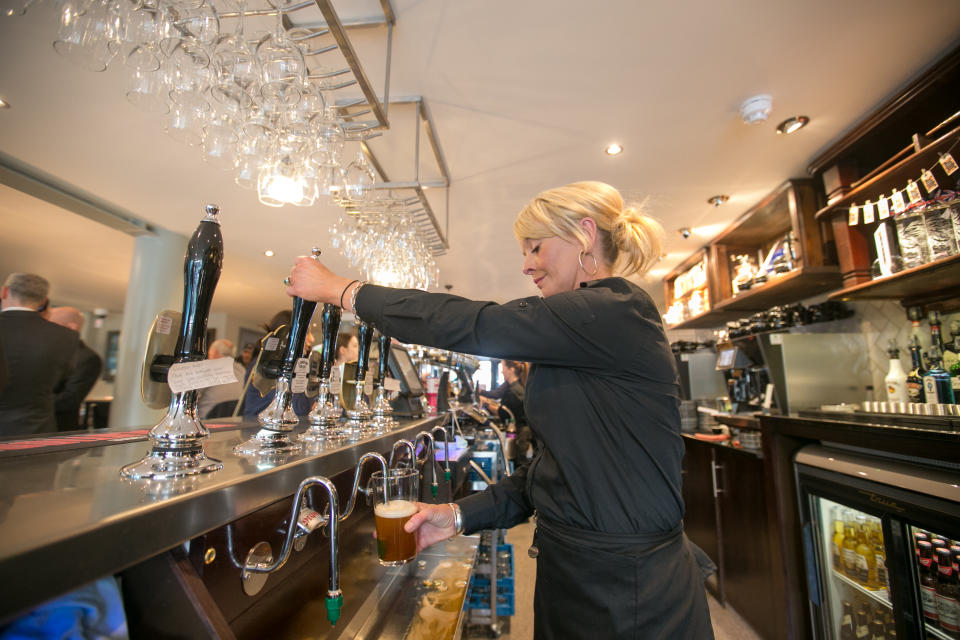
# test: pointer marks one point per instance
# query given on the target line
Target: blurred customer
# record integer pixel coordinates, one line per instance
(246, 355)
(210, 397)
(38, 354)
(253, 402)
(348, 348)
(86, 367)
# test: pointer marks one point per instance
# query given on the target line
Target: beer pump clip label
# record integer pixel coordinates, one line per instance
(898, 203)
(336, 382)
(854, 216)
(868, 213)
(271, 344)
(391, 384)
(164, 324)
(300, 370)
(187, 376)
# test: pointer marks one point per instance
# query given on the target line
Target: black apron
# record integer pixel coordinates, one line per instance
(617, 587)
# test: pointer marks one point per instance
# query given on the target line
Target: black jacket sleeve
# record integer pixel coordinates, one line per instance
(567, 329)
(499, 506)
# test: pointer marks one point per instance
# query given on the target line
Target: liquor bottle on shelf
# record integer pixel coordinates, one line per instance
(937, 386)
(947, 594)
(951, 349)
(847, 629)
(877, 631)
(915, 377)
(928, 582)
(896, 380)
(936, 337)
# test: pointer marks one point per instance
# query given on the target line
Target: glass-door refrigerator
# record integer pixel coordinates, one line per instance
(882, 542)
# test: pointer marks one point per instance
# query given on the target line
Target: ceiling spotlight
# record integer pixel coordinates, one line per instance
(268, 253)
(614, 149)
(756, 109)
(718, 199)
(4, 104)
(684, 231)
(792, 124)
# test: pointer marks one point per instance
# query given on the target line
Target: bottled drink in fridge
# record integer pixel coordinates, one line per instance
(928, 582)
(847, 628)
(947, 593)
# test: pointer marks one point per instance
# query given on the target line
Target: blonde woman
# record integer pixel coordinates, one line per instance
(602, 397)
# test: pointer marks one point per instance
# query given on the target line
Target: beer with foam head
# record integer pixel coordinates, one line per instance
(394, 545)
(395, 494)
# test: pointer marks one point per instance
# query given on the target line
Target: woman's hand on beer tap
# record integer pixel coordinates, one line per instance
(311, 280)
(432, 523)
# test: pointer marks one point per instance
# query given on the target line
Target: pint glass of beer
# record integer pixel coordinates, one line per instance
(395, 496)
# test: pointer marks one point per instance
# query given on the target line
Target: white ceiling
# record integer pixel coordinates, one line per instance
(525, 95)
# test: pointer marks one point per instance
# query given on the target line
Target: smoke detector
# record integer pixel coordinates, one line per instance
(756, 109)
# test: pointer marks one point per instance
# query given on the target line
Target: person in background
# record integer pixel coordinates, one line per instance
(87, 365)
(348, 348)
(210, 397)
(515, 375)
(253, 402)
(603, 398)
(246, 355)
(38, 354)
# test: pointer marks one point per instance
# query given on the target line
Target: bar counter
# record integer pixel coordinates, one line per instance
(67, 517)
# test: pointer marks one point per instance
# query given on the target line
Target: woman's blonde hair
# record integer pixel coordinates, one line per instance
(630, 240)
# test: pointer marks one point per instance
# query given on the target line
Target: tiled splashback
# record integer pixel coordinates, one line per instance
(879, 321)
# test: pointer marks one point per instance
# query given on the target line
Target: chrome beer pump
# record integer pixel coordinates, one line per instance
(430, 459)
(325, 413)
(279, 418)
(177, 440)
(303, 521)
(381, 405)
(358, 411)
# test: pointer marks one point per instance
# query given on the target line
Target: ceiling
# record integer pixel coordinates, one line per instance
(524, 96)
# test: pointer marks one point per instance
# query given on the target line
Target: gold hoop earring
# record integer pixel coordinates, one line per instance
(596, 267)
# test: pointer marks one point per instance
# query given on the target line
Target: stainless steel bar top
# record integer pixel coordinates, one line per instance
(67, 517)
(423, 600)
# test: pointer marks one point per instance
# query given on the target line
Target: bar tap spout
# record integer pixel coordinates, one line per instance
(372, 455)
(430, 459)
(400, 444)
(260, 558)
(446, 450)
(325, 414)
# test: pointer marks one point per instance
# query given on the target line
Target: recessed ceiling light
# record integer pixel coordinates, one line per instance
(614, 149)
(792, 124)
(684, 231)
(718, 199)
(4, 104)
(268, 253)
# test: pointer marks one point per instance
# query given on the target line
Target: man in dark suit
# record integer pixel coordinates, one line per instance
(38, 355)
(71, 391)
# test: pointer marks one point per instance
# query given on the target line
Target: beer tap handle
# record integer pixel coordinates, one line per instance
(364, 338)
(383, 344)
(201, 271)
(330, 321)
(299, 325)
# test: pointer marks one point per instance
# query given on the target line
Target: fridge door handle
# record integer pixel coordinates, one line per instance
(714, 467)
(813, 584)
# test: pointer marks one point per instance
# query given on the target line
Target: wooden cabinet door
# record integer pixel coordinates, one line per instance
(700, 520)
(745, 544)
